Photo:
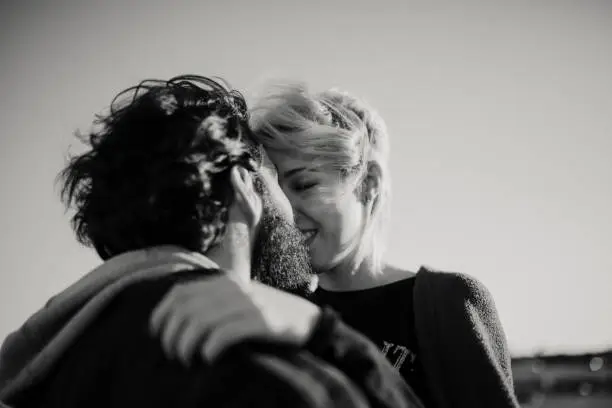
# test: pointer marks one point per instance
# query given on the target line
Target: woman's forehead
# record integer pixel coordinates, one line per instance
(283, 162)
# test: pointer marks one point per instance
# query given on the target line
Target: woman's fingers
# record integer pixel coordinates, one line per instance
(186, 325)
(248, 327)
(161, 312)
(192, 336)
(198, 327)
(170, 332)
(191, 310)
(263, 312)
(214, 314)
(207, 290)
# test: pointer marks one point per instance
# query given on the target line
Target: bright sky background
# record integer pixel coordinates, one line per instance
(500, 115)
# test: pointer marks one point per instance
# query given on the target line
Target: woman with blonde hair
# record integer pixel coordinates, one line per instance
(440, 330)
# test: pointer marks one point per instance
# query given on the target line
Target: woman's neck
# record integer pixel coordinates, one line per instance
(342, 279)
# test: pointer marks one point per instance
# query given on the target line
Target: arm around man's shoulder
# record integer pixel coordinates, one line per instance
(118, 362)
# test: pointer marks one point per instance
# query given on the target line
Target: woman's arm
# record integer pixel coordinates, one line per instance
(463, 345)
(205, 318)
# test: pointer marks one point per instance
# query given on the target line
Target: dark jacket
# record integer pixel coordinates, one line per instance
(462, 344)
(116, 362)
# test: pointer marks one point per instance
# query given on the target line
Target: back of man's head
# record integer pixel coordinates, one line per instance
(157, 168)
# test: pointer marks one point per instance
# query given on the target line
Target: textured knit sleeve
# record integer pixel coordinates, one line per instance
(358, 358)
(463, 346)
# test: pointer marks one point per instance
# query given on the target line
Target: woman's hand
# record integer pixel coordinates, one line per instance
(208, 316)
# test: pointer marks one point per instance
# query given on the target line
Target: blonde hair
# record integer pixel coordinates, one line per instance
(336, 133)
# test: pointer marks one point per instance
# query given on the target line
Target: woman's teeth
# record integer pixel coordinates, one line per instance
(308, 235)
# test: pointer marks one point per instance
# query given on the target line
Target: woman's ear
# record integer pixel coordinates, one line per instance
(247, 201)
(370, 186)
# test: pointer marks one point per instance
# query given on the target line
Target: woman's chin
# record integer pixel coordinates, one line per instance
(320, 266)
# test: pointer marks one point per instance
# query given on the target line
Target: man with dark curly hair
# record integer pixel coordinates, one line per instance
(171, 190)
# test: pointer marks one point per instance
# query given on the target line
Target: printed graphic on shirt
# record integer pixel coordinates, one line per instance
(398, 354)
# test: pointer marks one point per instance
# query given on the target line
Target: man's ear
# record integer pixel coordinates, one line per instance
(370, 186)
(247, 201)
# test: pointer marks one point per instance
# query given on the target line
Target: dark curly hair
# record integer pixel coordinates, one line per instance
(157, 168)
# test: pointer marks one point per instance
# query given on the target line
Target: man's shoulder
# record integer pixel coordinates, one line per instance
(118, 362)
(117, 359)
(137, 300)
(155, 287)
(123, 325)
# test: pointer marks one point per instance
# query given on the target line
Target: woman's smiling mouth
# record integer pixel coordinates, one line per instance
(309, 236)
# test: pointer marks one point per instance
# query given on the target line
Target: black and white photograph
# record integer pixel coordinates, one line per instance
(309, 204)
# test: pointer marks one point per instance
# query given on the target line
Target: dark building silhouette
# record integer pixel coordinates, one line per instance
(564, 380)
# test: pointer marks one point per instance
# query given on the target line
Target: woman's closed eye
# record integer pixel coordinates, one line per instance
(303, 185)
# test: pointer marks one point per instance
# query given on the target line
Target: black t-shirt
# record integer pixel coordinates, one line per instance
(385, 314)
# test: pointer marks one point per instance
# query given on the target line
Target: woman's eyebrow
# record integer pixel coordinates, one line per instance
(292, 172)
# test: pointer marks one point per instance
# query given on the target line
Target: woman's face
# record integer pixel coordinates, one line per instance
(329, 220)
